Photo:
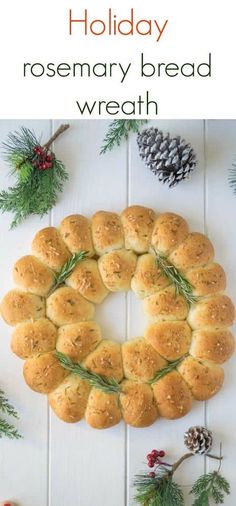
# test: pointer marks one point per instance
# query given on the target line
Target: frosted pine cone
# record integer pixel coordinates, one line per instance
(171, 159)
(198, 439)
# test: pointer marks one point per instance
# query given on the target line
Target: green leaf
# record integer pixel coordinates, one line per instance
(25, 171)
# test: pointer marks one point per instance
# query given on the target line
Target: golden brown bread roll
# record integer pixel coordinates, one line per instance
(103, 410)
(203, 378)
(43, 373)
(217, 311)
(148, 278)
(106, 360)
(165, 305)
(76, 233)
(169, 231)
(87, 280)
(116, 269)
(65, 305)
(49, 247)
(31, 275)
(207, 280)
(137, 403)
(170, 339)
(18, 306)
(77, 340)
(140, 361)
(172, 395)
(69, 399)
(212, 344)
(194, 251)
(138, 224)
(34, 337)
(107, 232)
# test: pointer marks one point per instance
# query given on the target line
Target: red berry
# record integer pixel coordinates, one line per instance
(162, 453)
(151, 463)
(49, 158)
(151, 474)
(155, 454)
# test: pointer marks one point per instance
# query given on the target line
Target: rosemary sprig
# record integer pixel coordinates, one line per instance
(67, 269)
(7, 408)
(182, 285)
(108, 385)
(168, 368)
(118, 130)
(8, 430)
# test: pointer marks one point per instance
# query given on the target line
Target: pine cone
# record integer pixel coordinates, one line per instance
(198, 439)
(171, 159)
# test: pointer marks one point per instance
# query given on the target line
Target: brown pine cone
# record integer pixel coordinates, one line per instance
(198, 439)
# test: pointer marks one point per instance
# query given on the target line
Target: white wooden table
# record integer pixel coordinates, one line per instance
(58, 464)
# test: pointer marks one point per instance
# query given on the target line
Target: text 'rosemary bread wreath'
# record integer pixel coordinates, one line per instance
(75, 267)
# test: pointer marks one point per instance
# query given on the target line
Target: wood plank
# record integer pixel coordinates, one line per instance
(18, 458)
(88, 456)
(187, 199)
(220, 220)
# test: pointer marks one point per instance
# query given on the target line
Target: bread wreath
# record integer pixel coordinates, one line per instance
(121, 255)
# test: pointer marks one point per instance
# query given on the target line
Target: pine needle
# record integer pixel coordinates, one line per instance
(67, 269)
(158, 491)
(108, 385)
(182, 285)
(6, 428)
(7, 408)
(119, 130)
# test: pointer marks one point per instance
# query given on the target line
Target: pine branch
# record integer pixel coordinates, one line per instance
(67, 269)
(119, 130)
(8, 430)
(5, 407)
(108, 385)
(158, 491)
(182, 285)
(211, 486)
(168, 368)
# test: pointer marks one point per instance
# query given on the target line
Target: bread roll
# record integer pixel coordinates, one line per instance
(103, 410)
(34, 337)
(170, 339)
(31, 275)
(106, 360)
(76, 233)
(172, 395)
(43, 373)
(140, 361)
(169, 231)
(207, 280)
(138, 224)
(138, 405)
(87, 280)
(49, 247)
(69, 399)
(212, 344)
(66, 305)
(116, 269)
(196, 250)
(165, 305)
(148, 278)
(18, 306)
(216, 311)
(77, 340)
(203, 378)
(107, 232)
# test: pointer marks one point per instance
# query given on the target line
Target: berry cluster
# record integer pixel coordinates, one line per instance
(42, 159)
(153, 460)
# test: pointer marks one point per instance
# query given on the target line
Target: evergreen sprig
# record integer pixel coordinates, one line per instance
(36, 189)
(182, 285)
(119, 130)
(211, 486)
(108, 385)
(6, 428)
(161, 490)
(167, 369)
(67, 269)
